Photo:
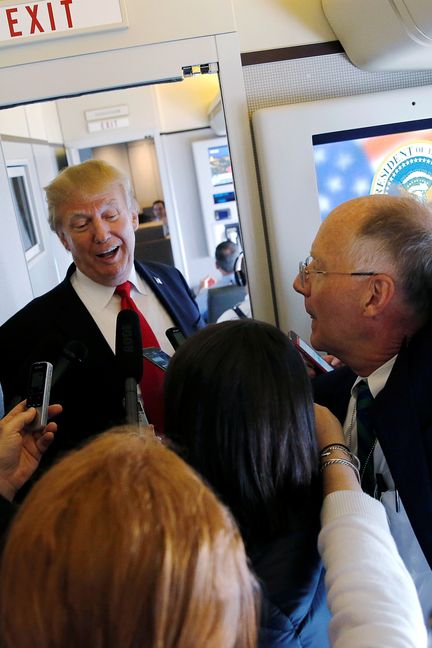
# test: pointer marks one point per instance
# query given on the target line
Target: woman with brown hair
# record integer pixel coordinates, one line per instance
(121, 545)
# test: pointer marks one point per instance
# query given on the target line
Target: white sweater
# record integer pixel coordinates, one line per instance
(371, 595)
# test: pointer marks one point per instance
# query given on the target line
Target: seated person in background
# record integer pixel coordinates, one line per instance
(239, 410)
(243, 309)
(93, 212)
(226, 254)
(160, 214)
(139, 552)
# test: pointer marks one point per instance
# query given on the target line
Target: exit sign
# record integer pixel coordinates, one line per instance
(107, 124)
(48, 18)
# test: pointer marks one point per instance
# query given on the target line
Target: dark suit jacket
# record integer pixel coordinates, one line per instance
(91, 394)
(402, 416)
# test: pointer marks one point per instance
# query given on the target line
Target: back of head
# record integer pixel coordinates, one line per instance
(239, 409)
(82, 181)
(225, 255)
(395, 234)
(122, 545)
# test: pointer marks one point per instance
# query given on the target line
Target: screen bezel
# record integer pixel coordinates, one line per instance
(286, 164)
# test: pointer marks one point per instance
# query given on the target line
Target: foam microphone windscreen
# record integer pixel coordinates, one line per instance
(129, 345)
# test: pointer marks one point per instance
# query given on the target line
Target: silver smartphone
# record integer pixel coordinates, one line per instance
(38, 393)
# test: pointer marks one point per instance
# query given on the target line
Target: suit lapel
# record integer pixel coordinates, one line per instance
(158, 286)
(401, 425)
(75, 322)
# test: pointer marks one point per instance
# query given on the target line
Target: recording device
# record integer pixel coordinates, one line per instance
(175, 336)
(73, 353)
(129, 357)
(38, 393)
(157, 356)
(311, 356)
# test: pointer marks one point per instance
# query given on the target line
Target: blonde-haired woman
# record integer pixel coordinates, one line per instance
(121, 545)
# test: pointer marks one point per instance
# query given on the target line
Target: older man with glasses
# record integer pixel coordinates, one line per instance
(367, 286)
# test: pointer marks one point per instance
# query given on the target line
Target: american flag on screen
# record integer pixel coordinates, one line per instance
(382, 164)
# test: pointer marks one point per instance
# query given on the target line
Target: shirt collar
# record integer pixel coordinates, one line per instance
(377, 379)
(99, 295)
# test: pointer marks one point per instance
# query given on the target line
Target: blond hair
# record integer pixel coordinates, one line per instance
(122, 545)
(84, 180)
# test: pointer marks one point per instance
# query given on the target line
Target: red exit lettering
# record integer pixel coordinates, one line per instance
(39, 24)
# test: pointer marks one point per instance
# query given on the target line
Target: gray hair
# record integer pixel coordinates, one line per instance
(396, 234)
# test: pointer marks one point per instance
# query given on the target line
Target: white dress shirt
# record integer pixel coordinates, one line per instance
(104, 306)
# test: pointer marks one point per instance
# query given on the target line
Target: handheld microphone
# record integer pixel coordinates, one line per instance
(129, 357)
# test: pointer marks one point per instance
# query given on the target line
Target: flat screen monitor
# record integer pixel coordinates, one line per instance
(384, 159)
(220, 165)
(315, 155)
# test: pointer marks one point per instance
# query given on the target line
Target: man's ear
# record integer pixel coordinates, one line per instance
(381, 292)
(135, 219)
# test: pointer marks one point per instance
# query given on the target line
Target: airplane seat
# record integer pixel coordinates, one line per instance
(221, 299)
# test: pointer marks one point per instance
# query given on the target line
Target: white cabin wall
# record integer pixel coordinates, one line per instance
(271, 24)
(145, 172)
(15, 285)
(117, 155)
(186, 204)
(183, 106)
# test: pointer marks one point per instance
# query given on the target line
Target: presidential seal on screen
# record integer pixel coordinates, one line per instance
(408, 168)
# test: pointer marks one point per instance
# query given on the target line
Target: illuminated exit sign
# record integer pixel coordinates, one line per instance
(48, 18)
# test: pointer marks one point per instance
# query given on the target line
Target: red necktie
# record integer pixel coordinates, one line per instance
(152, 380)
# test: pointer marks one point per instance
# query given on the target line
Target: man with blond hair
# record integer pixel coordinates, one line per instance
(94, 213)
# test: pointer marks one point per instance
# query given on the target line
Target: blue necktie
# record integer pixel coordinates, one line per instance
(366, 437)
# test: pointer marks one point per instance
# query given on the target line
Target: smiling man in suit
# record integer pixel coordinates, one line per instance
(93, 212)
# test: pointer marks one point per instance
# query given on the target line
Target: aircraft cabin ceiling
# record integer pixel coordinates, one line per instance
(383, 35)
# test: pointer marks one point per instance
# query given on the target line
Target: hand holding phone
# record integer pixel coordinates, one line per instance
(38, 393)
(309, 354)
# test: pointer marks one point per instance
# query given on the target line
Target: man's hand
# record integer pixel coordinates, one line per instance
(206, 282)
(21, 450)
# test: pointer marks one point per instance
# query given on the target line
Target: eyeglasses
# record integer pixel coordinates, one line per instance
(304, 272)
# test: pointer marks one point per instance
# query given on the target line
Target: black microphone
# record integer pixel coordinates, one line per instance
(130, 359)
(74, 352)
